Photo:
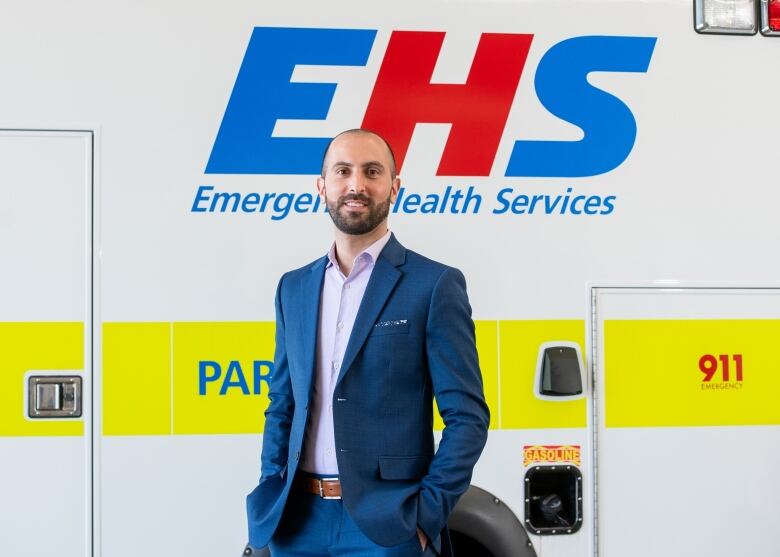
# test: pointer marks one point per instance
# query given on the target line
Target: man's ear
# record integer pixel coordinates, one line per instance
(394, 188)
(321, 187)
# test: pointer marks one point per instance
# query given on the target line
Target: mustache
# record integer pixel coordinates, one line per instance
(354, 197)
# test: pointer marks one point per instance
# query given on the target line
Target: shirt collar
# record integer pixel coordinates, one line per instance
(372, 251)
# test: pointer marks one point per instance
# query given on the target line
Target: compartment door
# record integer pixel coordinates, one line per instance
(45, 332)
(688, 421)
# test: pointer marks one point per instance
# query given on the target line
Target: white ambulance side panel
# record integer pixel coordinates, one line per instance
(45, 324)
(691, 468)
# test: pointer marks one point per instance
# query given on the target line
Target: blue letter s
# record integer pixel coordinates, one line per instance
(562, 87)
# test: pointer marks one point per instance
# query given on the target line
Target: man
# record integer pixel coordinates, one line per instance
(365, 337)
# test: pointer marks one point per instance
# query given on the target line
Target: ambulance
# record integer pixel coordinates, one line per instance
(604, 173)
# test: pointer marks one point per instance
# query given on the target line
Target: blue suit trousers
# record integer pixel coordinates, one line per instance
(315, 527)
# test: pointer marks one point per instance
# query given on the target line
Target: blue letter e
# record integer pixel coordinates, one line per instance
(263, 94)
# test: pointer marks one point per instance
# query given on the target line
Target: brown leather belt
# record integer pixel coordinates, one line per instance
(327, 488)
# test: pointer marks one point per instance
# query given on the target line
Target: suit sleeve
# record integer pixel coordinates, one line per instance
(278, 416)
(457, 386)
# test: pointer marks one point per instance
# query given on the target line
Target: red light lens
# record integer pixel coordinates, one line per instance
(774, 15)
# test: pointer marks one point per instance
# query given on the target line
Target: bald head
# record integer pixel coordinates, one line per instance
(367, 133)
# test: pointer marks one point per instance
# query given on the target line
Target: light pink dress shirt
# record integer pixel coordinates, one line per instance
(339, 304)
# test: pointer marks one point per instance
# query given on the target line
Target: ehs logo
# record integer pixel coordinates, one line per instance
(403, 96)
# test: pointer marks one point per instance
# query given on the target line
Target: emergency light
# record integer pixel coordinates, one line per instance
(732, 17)
(770, 17)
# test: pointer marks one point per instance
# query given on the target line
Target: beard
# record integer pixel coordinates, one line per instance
(354, 222)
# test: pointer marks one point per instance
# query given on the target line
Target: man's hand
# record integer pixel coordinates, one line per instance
(423, 539)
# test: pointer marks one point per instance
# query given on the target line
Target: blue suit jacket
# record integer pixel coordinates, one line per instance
(413, 339)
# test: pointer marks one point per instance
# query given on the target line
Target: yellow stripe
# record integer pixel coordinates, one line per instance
(218, 371)
(136, 378)
(36, 346)
(519, 348)
(218, 375)
(653, 378)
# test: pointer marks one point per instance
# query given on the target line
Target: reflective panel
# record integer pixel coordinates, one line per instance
(726, 16)
(770, 18)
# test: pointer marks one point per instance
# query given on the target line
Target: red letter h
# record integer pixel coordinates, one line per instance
(403, 96)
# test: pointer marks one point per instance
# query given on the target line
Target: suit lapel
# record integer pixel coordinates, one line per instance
(310, 294)
(381, 284)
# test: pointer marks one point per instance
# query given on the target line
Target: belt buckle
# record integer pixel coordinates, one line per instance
(322, 491)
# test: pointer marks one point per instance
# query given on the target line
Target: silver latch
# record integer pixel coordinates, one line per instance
(54, 396)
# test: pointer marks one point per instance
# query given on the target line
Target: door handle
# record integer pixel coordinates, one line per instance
(54, 396)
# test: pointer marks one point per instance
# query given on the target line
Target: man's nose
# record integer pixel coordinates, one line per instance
(357, 183)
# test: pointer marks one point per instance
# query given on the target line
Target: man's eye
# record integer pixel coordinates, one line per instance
(341, 171)
(373, 172)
